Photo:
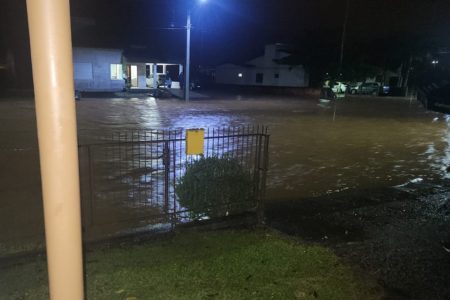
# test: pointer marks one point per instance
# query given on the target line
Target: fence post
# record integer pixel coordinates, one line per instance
(174, 165)
(257, 178)
(166, 161)
(265, 167)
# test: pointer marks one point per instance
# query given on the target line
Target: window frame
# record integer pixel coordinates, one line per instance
(119, 72)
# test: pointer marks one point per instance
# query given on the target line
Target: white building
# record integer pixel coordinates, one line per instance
(266, 70)
(145, 73)
(98, 70)
(109, 70)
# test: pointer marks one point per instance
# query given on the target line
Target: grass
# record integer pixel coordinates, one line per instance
(239, 264)
(16, 247)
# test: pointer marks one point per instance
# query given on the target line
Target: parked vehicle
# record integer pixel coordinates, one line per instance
(353, 88)
(339, 88)
(195, 84)
(385, 90)
(369, 88)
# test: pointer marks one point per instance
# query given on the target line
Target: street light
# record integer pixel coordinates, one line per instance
(187, 83)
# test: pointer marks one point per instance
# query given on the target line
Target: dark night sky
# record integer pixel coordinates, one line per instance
(236, 30)
(229, 30)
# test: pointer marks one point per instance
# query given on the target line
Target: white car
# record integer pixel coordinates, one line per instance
(339, 88)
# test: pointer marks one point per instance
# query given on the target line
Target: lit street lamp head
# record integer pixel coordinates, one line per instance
(188, 52)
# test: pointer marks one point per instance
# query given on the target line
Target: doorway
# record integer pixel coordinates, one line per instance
(134, 76)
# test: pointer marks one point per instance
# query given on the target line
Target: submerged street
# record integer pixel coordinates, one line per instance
(366, 177)
(225, 149)
(368, 142)
(314, 149)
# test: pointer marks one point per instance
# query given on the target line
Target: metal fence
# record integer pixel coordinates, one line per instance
(129, 179)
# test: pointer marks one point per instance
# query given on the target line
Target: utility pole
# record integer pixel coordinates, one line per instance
(187, 84)
(344, 33)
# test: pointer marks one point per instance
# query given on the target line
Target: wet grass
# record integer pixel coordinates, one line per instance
(204, 265)
(18, 247)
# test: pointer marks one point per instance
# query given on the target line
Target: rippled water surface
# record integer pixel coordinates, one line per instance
(314, 149)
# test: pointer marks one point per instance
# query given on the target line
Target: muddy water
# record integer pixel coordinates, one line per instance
(314, 149)
(361, 142)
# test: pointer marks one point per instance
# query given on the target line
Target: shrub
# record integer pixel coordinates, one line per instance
(215, 187)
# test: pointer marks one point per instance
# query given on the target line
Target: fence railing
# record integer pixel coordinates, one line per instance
(129, 180)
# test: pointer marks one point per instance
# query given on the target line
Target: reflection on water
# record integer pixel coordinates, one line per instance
(314, 149)
(358, 143)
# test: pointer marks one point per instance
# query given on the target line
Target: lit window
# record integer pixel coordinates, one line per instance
(116, 72)
(240, 75)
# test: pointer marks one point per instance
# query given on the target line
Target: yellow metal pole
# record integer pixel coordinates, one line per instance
(51, 53)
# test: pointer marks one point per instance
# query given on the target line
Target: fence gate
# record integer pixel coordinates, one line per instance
(128, 179)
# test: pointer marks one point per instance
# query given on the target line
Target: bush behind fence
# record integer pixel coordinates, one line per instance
(131, 180)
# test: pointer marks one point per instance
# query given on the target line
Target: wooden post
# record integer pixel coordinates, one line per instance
(51, 52)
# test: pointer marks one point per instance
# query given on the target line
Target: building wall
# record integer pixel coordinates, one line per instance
(92, 69)
(281, 76)
(264, 71)
(232, 74)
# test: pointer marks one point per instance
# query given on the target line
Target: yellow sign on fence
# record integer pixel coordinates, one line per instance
(195, 139)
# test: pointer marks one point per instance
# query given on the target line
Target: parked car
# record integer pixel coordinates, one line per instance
(369, 88)
(353, 88)
(385, 90)
(195, 84)
(339, 88)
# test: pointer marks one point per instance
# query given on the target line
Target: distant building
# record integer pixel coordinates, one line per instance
(144, 71)
(98, 70)
(270, 69)
(112, 70)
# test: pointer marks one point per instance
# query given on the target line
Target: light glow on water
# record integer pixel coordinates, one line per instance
(371, 142)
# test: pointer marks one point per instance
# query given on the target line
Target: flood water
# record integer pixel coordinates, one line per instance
(314, 149)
